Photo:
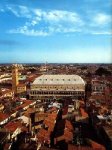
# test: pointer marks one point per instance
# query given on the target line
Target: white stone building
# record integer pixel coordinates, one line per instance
(57, 86)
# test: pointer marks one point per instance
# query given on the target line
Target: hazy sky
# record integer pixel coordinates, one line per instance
(55, 31)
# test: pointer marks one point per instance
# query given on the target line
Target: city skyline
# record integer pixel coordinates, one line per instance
(55, 31)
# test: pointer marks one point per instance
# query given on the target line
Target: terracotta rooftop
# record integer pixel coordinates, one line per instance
(3, 116)
(50, 120)
(6, 91)
(68, 135)
(53, 115)
(60, 138)
(43, 135)
(29, 111)
(98, 97)
(68, 125)
(12, 126)
(32, 77)
(49, 123)
(83, 113)
(21, 85)
(25, 103)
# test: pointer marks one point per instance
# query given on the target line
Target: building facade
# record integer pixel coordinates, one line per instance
(47, 86)
(21, 88)
(98, 86)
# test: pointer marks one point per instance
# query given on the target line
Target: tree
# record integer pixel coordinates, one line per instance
(102, 71)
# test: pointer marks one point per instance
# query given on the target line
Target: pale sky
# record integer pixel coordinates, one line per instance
(56, 31)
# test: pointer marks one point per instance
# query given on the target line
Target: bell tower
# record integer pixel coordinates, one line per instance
(14, 77)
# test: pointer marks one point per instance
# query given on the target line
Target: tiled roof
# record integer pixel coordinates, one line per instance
(98, 97)
(43, 135)
(59, 79)
(83, 113)
(32, 77)
(12, 126)
(8, 91)
(26, 103)
(50, 120)
(60, 138)
(68, 135)
(68, 125)
(3, 116)
(29, 111)
(21, 85)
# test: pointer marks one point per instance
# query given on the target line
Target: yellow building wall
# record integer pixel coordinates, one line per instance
(14, 78)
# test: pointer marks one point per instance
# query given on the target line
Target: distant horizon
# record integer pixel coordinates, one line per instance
(56, 63)
(63, 31)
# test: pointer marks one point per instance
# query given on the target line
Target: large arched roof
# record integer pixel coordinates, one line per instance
(58, 80)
